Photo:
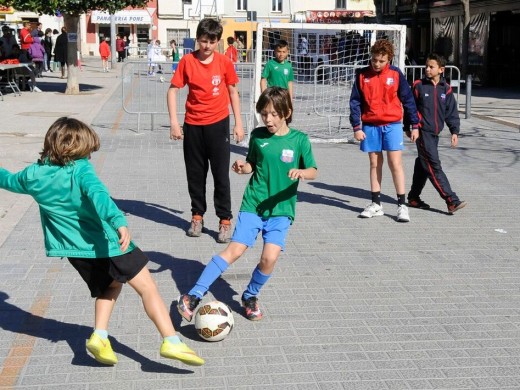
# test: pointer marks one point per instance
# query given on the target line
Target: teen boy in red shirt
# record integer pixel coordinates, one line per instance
(211, 80)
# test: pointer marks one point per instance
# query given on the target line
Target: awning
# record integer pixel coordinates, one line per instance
(134, 16)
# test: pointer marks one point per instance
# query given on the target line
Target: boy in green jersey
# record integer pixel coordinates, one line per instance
(278, 72)
(278, 157)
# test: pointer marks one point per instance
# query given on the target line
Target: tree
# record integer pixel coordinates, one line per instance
(465, 36)
(71, 11)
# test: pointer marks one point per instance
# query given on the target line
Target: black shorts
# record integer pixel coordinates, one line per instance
(100, 273)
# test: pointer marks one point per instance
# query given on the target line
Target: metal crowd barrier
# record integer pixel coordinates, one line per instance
(321, 103)
(144, 91)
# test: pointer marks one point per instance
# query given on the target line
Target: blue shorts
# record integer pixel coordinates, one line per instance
(274, 229)
(379, 138)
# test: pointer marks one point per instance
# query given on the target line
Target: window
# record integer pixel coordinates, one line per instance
(241, 5)
(277, 6)
(341, 4)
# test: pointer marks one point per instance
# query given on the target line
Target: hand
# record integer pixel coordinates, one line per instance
(175, 132)
(296, 174)
(359, 135)
(414, 135)
(239, 167)
(238, 133)
(454, 140)
(124, 238)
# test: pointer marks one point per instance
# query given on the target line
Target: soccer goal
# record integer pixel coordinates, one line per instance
(324, 57)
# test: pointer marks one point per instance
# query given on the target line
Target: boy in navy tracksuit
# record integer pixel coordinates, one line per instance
(436, 105)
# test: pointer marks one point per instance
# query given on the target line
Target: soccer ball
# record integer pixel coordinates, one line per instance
(214, 321)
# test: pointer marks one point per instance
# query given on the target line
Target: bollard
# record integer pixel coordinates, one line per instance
(468, 96)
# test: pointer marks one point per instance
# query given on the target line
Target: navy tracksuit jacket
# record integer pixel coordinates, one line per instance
(436, 105)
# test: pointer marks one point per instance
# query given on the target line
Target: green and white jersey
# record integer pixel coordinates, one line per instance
(278, 74)
(270, 192)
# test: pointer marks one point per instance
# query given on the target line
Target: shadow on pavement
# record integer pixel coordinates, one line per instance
(350, 191)
(185, 273)
(16, 320)
(61, 86)
(153, 212)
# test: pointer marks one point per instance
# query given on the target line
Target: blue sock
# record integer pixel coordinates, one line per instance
(258, 279)
(173, 339)
(213, 270)
(102, 333)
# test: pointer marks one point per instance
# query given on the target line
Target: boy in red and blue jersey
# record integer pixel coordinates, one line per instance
(379, 94)
(436, 105)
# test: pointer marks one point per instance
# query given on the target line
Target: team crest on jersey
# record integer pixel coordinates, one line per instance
(215, 80)
(390, 81)
(443, 96)
(287, 156)
(286, 72)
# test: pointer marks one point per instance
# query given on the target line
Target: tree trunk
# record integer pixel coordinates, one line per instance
(72, 23)
(465, 36)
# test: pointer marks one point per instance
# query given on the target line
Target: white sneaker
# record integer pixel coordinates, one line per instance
(372, 210)
(402, 214)
(36, 89)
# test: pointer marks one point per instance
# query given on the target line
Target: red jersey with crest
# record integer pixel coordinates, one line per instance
(208, 95)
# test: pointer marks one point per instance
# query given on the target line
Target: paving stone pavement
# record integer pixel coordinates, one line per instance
(353, 303)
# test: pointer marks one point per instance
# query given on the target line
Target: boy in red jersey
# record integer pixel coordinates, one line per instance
(212, 80)
(378, 97)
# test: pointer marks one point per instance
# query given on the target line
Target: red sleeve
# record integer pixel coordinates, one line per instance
(179, 78)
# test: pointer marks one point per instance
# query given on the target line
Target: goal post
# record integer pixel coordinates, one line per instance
(324, 58)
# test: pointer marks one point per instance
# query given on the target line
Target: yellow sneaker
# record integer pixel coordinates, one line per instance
(101, 349)
(180, 352)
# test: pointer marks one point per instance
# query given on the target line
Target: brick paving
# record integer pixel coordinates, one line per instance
(353, 303)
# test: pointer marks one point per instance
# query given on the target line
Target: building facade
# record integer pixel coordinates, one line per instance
(438, 26)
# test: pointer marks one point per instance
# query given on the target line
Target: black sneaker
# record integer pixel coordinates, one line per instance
(253, 312)
(418, 203)
(453, 207)
(187, 305)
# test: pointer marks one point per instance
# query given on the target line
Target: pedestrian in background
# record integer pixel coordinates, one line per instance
(61, 50)
(104, 52)
(120, 48)
(47, 45)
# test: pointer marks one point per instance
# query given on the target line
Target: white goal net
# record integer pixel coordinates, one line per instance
(323, 57)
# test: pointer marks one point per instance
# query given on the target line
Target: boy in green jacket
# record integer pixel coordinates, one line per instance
(80, 221)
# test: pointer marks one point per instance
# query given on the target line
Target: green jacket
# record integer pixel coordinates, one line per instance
(79, 219)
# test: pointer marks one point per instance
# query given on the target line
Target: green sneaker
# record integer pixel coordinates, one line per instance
(181, 352)
(101, 349)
